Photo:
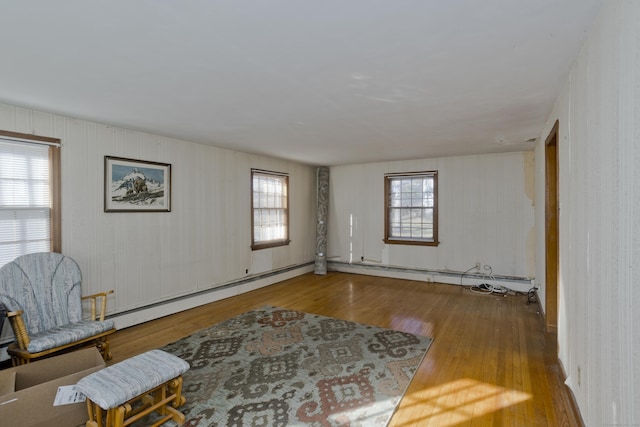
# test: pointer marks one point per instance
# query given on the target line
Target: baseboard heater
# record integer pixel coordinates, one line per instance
(518, 284)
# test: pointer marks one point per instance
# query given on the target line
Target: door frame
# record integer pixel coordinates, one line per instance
(552, 214)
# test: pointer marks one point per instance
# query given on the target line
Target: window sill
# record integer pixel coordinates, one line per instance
(272, 244)
(410, 242)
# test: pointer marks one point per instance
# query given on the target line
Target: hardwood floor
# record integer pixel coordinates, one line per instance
(491, 362)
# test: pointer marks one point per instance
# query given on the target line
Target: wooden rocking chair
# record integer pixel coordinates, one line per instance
(42, 296)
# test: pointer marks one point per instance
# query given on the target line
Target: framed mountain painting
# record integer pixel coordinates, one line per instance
(136, 185)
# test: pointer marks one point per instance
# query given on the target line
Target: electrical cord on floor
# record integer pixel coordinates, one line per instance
(484, 288)
(488, 288)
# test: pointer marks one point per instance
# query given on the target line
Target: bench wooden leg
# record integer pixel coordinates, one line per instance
(95, 415)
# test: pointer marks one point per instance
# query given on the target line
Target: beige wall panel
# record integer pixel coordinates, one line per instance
(485, 215)
(203, 243)
(598, 296)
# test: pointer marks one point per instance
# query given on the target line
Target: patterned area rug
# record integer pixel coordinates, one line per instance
(277, 367)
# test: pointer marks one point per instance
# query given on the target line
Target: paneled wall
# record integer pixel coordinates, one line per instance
(485, 207)
(599, 192)
(202, 244)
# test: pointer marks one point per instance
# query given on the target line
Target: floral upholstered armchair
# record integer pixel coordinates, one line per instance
(42, 296)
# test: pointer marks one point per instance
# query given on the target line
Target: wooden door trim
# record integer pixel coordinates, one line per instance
(551, 229)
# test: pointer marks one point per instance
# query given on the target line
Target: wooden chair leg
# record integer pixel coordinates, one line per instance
(103, 346)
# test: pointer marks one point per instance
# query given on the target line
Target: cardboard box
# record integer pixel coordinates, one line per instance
(36, 385)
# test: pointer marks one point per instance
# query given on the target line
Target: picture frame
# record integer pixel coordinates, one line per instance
(132, 185)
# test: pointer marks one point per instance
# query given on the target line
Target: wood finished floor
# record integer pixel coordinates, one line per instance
(491, 362)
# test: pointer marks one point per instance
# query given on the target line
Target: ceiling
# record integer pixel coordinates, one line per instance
(319, 82)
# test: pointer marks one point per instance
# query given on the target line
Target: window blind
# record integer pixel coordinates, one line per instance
(24, 199)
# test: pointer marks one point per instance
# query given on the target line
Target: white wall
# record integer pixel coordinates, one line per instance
(485, 208)
(203, 243)
(599, 190)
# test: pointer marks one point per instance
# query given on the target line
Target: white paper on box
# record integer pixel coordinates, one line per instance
(68, 394)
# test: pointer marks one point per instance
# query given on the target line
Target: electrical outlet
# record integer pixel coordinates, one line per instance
(478, 265)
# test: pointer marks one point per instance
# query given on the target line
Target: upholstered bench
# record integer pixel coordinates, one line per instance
(133, 388)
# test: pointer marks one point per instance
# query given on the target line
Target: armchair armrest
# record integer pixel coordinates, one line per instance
(19, 328)
(100, 297)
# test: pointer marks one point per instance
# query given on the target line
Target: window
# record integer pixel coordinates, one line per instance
(270, 208)
(411, 208)
(29, 195)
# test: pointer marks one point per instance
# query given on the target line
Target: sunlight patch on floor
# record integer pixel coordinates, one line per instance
(456, 402)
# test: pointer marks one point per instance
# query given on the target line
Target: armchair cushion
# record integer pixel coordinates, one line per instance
(67, 334)
(46, 286)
